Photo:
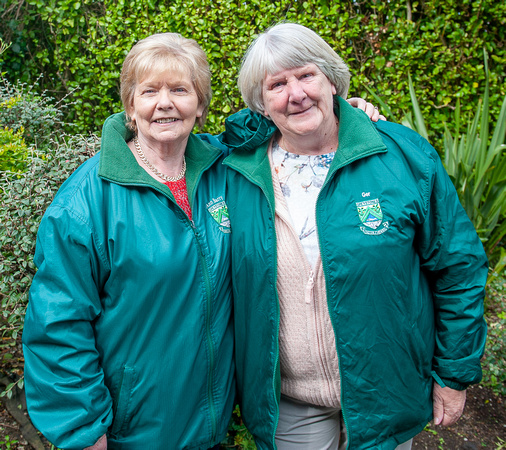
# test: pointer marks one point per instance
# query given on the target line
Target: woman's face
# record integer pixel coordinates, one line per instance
(299, 101)
(165, 107)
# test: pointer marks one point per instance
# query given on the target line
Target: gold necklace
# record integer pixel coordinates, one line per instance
(153, 169)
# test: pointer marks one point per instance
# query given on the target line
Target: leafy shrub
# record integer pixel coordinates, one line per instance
(35, 115)
(13, 150)
(476, 162)
(238, 436)
(83, 44)
(494, 360)
(477, 167)
(24, 198)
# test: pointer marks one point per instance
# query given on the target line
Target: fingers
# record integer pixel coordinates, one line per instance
(437, 406)
(448, 405)
(375, 114)
(357, 102)
(371, 110)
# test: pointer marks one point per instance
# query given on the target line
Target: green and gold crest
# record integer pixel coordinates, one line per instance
(370, 213)
(371, 216)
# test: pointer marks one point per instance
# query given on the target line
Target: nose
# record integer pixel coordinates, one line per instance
(296, 91)
(164, 99)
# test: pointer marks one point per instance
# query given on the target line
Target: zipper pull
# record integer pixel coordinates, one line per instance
(308, 295)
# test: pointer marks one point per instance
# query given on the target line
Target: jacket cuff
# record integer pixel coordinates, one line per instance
(445, 382)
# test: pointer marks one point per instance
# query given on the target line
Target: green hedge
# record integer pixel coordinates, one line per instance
(80, 45)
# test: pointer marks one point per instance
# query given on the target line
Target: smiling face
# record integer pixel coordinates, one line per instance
(165, 107)
(299, 101)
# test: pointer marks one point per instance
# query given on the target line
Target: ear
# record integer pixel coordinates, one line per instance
(200, 110)
(334, 90)
(130, 111)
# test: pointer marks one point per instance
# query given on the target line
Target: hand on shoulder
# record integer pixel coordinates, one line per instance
(368, 108)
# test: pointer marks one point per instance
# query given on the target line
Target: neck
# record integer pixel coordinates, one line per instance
(311, 144)
(166, 159)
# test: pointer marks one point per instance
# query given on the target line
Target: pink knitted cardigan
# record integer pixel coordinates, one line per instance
(308, 356)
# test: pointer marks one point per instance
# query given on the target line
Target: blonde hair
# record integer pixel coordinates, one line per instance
(162, 52)
(287, 46)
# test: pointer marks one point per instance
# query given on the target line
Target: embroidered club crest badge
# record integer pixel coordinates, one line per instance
(219, 212)
(371, 215)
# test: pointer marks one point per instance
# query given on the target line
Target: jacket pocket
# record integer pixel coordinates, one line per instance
(122, 401)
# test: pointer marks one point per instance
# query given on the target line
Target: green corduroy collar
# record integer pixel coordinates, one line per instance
(358, 138)
(118, 164)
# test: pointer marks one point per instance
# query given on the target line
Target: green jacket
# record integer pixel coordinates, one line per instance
(405, 296)
(128, 329)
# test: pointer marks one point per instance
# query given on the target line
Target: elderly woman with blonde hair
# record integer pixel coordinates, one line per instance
(358, 278)
(128, 335)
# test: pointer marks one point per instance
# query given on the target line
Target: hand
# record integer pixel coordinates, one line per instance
(367, 107)
(101, 444)
(448, 405)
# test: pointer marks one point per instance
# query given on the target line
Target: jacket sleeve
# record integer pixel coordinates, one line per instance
(66, 395)
(454, 258)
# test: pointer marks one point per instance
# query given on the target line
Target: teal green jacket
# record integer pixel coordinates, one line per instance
(405, 295)
(129, 325)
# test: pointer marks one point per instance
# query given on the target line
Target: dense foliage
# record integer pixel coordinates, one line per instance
(494, 359)
(82, 43)
(13, 150)
(29, 113)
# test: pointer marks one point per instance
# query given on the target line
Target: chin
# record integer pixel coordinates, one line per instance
(304, 131)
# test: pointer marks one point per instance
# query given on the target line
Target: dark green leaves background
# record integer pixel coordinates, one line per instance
(80, 45)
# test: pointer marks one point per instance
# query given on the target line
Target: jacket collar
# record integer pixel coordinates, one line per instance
(358, 137)
(249, 134)
(118, 164)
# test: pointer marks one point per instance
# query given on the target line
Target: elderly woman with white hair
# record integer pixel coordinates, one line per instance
(358, 278)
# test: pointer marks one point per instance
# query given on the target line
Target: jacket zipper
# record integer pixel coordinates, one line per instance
(276, 361)
(210, 395)
(210, 346)
(325, 271)
(208, 287)
(205, 269)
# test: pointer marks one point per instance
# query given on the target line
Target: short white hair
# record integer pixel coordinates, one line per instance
(288, 46)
